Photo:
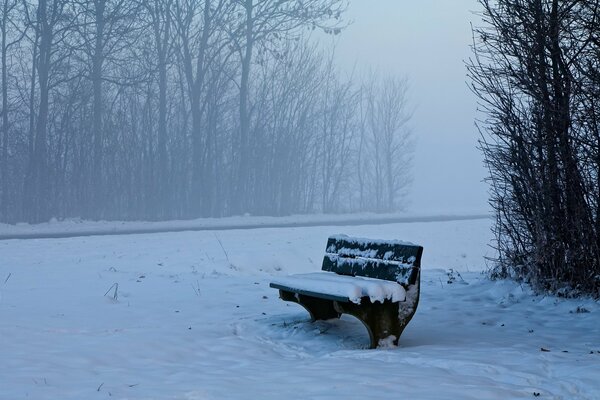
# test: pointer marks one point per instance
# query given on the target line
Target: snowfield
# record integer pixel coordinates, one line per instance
(190, 315)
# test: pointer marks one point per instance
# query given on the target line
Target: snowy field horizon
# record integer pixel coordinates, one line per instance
(190, 315)
(71, 227)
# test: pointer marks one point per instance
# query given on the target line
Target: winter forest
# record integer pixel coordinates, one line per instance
(307, 199)
(163, 109)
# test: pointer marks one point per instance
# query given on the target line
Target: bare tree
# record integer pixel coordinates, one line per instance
(52, 26)
(202, 42)
(104, 27)
(7, 25)
(528, 72)
(386, 143)
(160, 19)
(338, 132)
(285, 132)
(264, 22)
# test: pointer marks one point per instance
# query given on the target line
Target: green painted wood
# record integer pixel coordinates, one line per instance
(379, 249)
(318, 308)
(389, 260)
(378, 269)
(325, 296)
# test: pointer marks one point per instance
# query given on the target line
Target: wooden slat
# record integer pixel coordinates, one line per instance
(390, 260)
(390, 271)
(325, 296)
(379, 249)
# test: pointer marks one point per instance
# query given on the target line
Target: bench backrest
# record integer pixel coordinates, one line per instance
(390, 260)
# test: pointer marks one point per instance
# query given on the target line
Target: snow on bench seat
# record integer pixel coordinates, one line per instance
(342, 287)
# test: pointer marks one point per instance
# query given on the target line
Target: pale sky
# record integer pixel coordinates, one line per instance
(427, 41)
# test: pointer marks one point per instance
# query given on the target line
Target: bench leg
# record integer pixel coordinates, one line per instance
(384, 319)
(380, 319)
(319, 309)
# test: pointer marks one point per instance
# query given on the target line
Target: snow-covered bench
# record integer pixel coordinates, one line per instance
(377, 281)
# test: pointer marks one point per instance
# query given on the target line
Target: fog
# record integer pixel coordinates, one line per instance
(428, 42)
(170, 109)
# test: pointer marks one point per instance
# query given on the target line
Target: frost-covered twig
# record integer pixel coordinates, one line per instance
(223, 248)
(196, 288)
(116, 293)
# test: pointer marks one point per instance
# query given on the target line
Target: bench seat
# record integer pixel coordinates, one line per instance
(332, 286)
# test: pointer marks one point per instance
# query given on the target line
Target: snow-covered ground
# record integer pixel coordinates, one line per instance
(189, 315)
(78, 227)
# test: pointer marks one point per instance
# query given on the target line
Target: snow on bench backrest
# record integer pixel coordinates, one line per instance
(391, 260)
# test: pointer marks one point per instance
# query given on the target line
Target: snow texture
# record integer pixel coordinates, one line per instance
(352, 287)
(360, 262)
(366, 241)
(75, 226)
(191, 320)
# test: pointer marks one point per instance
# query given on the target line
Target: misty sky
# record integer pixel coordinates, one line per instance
(428, 42)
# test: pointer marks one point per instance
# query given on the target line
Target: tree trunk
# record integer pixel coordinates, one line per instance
(4, 126)
(97, 61)
(162, 45)
(244, 174)
(38, 178)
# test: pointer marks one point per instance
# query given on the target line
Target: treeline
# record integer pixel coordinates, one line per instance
(537, 73)
(157, 109)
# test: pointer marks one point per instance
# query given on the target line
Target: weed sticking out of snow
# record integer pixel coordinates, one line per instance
(115, 293)
(580, 310)
(455, 277)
